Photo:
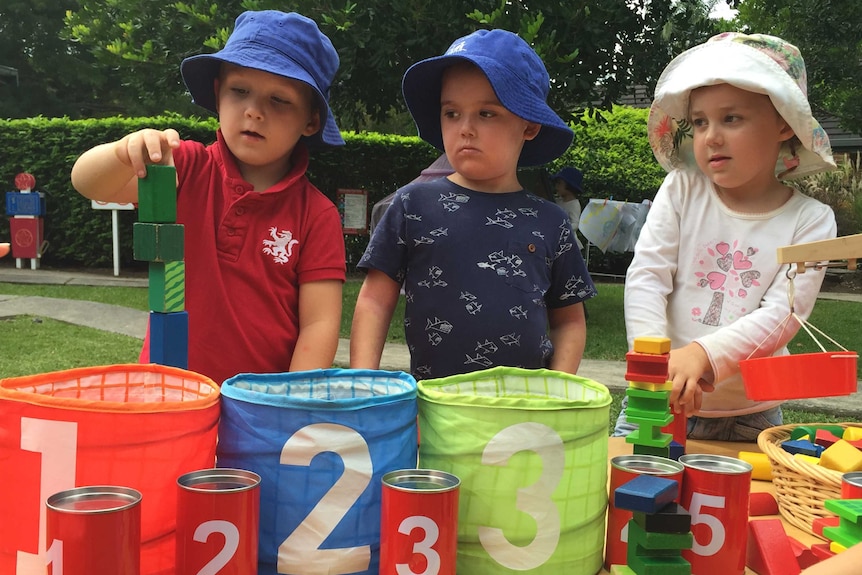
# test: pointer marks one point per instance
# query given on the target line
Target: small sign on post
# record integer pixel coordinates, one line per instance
(115, 226)
(353, 205)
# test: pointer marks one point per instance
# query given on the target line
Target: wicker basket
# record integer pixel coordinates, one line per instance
(800, 488)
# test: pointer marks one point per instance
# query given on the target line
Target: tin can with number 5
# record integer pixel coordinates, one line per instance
(715, 491)
(419, 522)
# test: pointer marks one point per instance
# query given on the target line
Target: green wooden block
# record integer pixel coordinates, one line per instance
(638, 449)
(167, 291)
(662, 565)
(656, 541)
(649, 436)
(157, 195)
(646, 400)
(643, 417)
(158, 242)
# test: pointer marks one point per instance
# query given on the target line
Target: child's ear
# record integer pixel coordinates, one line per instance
(313, 125)
(532, 130)
(786, 132)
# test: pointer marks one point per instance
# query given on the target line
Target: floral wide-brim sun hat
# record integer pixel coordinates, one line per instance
(757, 63)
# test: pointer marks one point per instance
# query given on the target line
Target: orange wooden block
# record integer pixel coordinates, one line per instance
(652, 345)
(818, 524)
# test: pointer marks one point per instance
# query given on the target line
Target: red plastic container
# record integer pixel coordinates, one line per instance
(419, 522)
(799, 376)
(624, 468)
(217, 522)
(94, 530)
(715, 490)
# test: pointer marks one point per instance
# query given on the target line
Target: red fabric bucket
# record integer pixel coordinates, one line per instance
(137, 426)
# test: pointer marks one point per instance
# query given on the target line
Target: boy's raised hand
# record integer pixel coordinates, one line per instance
(147, 146)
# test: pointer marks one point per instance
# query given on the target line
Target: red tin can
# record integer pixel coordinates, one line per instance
(218, 511)
(851, 485)
(624, 468)
(94, 529)
(715, 491)
(419, 522)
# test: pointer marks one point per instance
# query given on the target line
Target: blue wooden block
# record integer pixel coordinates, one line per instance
(677, 450)
(646, 493)
(802, 446)
(169, 338)
(21, 204)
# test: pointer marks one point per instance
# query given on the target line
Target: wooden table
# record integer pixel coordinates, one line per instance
(618, 446)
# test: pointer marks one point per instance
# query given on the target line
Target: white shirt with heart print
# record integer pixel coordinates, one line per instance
(702, 272)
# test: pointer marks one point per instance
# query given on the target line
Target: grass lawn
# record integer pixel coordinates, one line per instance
(36, 345)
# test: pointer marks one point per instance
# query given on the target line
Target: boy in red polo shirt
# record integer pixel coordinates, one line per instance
(264, 251)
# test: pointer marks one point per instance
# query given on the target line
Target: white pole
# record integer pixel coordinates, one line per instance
(115, 228)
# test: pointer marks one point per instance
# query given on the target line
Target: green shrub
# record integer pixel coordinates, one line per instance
(841, 189)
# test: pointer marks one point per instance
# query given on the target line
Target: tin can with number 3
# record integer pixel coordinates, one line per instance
(715, 491)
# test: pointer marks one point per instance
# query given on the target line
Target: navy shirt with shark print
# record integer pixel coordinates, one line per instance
(479, 272)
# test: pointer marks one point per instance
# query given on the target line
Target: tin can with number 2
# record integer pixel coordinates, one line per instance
(624, 468)
(715, 491)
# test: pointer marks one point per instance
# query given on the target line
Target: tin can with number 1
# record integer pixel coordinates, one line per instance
(624, 468)
(419, 522)
(715, 491)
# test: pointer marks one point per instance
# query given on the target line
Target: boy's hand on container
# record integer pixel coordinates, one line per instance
(686, 368)
(147, 146)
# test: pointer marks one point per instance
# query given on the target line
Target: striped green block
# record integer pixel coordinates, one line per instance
(167, 292)
(157, 195)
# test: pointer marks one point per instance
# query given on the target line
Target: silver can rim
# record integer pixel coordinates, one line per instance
(126, 498)
(853, 478)
(646, 464)
(721, 464)
(445, 481)
(241, 479)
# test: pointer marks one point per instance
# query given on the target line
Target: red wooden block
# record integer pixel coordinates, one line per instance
(804, 556)
(818, 524)
(769, 551)
(821, 551)
(762, 503)
(857, 443)
(825, 437)
(646, 367)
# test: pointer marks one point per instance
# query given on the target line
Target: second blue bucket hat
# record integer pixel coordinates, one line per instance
(518, 77)
(285, 44)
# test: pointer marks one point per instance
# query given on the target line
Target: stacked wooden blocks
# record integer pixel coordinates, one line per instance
(648, 396)
(659, 529)
(848, 532)
(159, 240)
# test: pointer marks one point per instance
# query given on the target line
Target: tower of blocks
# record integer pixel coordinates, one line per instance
(158, 239)
(849, 530)
(649, 397)
(659, 529)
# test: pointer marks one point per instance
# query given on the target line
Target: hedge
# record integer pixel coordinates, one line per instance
(612, 151)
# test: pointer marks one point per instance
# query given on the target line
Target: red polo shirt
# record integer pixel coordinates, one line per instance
(246, 254)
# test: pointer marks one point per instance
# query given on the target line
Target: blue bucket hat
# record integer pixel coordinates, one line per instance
(284, 44)
(518, 77)
(573, 177)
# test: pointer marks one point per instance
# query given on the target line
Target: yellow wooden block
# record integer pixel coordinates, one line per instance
(645, 385)
(841, 456)
(852, 433)
(836, 547)
(761, 468)
(652, 345)
(807, 458)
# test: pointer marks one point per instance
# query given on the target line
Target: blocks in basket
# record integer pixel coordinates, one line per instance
(841, 456)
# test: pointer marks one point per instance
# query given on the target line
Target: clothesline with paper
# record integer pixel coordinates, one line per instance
(613, 226)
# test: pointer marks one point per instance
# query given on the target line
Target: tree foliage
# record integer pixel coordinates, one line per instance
(594, 50)
(829, 35)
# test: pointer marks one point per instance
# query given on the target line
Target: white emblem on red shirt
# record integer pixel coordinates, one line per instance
(280, 247)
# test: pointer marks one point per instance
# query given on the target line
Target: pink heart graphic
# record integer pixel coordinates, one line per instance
(716, 280)
(740, 262)
(722, 247)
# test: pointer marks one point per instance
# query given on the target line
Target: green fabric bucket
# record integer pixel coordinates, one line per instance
(531, 450)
